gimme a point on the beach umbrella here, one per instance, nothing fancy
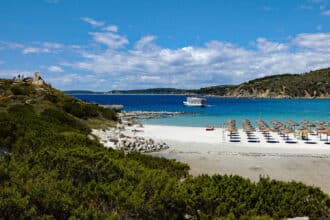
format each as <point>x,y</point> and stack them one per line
<point>326,132</point>
<point>292,124</point>
<point>231,130</point>
<point>287,131</point>
<point>266,131</point>
<point>327,124</point>
<point>319,129</point>
<point>304,122</point>
<point>318,122</point>
<point>306,131</point>
<point>310,125</point>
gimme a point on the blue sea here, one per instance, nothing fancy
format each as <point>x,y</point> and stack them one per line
<point>220,109</point>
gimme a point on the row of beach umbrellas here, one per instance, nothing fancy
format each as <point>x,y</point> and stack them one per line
<point>284,129</point>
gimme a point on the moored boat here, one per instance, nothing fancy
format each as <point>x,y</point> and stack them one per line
<point>195,102</point>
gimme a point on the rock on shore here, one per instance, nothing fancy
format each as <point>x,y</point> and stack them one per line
<point>117,138</point>
<point>132,115</point>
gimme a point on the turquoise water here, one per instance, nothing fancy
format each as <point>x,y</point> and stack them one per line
<point>220,109</point>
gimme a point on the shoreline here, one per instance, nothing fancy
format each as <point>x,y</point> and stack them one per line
<point>210,152</point>
<point>219,138</point>
<point>309,164</point>
<point>207,95</point>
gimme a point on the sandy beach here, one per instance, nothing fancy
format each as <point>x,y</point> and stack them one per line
<point>211,152</point>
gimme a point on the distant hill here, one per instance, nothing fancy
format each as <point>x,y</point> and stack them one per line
<point>152,91</point>
<point>315,84</point>
<point>221,90</point>
<point>81,92</point>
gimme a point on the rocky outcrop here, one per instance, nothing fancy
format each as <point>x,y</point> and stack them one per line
<point>267,93</point>
<point>132,115</point>
<point>117,138</point>
<point>113,107</point>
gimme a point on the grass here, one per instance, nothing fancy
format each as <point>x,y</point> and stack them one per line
<point>98,123</point>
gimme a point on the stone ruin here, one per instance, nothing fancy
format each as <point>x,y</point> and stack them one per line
<point>37,80</point>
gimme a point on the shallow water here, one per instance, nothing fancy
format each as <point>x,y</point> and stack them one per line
<point>220,109</point>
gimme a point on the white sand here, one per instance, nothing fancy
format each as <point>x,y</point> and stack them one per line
<point>211,152</point>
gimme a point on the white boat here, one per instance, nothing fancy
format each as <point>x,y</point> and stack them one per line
<point>195,102</point>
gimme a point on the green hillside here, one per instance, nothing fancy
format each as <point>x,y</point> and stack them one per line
<point>312,84</point>
<point>150,91</point>
<point>52,168</point>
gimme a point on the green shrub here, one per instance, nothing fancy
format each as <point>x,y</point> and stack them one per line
<point>50,97</point>
<point>22,89</point>
<point>108,113</point>
<point>61,118</point>
<point>81,110</point>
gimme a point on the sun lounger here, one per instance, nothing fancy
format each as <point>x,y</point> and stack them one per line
<point>235,140</point>
<point>291,142</point>
<point>310,142</point>
<point>272,141</point>
<point>233,135</point>
<point>253,140</point>
<point>252,136</point>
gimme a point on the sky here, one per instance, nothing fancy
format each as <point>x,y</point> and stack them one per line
<point>104,45</point>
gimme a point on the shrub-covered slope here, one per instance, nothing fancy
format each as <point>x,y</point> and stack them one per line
<point>51,168</point>
<point>315,84</point>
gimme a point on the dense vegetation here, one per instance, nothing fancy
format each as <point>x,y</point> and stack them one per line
<point>313,84</point>
<point>221,90</point>
<point>152,91</point>
<point>51,167</point>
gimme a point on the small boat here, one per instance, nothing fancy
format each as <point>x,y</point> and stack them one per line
<point>195,102</point>
<point>210,128</point>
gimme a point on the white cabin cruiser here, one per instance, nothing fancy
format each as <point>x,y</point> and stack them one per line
<point>195,102</point>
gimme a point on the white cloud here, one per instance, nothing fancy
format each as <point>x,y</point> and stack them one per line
<point>150,78</point>
<point>11,45</point>
<point>112,28</point>
<point>267,46</point>
<point>29,50</point>
<point>326,13</point>
<point>55,69</point>
<point>317,42</point>
<point>109,39</point>
<point>52,45</point>
<point>41,47</point>
<point>92,22</point>
<point>109,62</point>
<point>145,42</point>
<point>9,73</point>
<point>216,62</point>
